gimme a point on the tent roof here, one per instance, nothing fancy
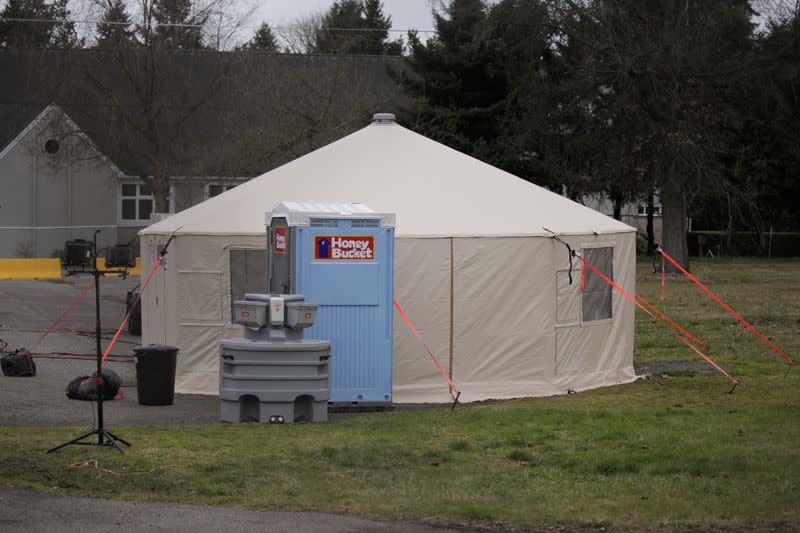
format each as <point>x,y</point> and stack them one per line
<point>435,191</point>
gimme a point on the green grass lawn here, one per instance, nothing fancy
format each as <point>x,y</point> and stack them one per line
<point>673,452</point>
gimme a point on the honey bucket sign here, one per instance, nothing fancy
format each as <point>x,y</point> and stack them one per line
<point>279,239</point>
<point>344,248</point>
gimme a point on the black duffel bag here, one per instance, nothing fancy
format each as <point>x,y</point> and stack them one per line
<point>85,387</point>
<point>18,363</point>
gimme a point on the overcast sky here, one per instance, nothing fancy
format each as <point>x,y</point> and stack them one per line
<point>406,14</point>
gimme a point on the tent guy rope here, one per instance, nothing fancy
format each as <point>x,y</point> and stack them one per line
<point>726,307</point>
<point>672,322</point>
<point>161,261</point>
<point>663,316</point>
<point>133,306</point>
<point>65,313</point>
<point>654,314</point>
<point>453,389</point>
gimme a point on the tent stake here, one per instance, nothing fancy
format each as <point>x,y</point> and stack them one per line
<point>455,401</point>
<point>788,367</point>
<point>733,388</point>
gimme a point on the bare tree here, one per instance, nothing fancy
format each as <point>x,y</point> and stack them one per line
<point>300,35</point>
<point>295,104</point>
<point>225,27</point>
<point>60,145</point>
<point>161,112</point>
<point>153,92</point>
<point>777,11</point>
<point>26,249</point>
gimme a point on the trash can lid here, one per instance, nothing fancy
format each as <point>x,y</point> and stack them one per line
<point>154,348</point>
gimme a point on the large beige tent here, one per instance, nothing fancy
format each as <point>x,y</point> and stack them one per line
<point>476,270</point>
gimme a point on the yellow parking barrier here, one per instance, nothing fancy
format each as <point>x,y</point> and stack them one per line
<point>30,269</point>
<point>47,268</point>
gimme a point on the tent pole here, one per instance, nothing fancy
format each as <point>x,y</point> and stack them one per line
<point>450,365</point>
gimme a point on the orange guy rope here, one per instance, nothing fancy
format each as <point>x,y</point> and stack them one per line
<point>643,308</point>
<point>648,304</point>
<point>133,306</point>
<point>620,289</point>
<point>93,462</point>
<point>583,277</point>
<point>728,309</point>
<point>707,358</point>
<point>442,371</point>
<point>673,324</point>
<point>65,313</point>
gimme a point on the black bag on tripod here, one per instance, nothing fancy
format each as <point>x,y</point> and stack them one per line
<point>85,387</point>
<point>19,363</point>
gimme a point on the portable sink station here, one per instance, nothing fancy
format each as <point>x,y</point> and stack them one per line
<point>340,256</point>
<point>273,374</point>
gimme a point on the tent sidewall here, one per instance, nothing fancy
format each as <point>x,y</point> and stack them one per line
<point>503,318</point>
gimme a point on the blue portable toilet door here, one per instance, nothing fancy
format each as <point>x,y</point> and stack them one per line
<point>347,271</point>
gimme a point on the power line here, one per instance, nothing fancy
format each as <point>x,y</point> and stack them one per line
<point>108,22</point>
<point>187,25</point>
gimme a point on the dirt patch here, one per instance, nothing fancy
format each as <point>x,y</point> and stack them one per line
<point>671,367</point>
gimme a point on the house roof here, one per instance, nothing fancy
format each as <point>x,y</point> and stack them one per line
<point>53,117</point>
<point>10,144</point>
<point>240,114</point>
<point>434,191</point>
<point>17,110</point>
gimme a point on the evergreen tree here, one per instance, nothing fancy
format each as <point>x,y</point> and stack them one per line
<point>459,85</point>
<point>330,37</point>
<point>771,105</point>
<point>53,27</point>
<point>176,27</point>
<point>375,19</point>
<point>17,34</point>
<point>356,27</point>
<point>523,45</point>
<point>64,35</point>
<point>264,39</point>
<point>115,28</point>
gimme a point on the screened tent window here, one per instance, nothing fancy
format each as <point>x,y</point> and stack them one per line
<point>137,202</point>
<point>596,297</point>
<point>248,274</point>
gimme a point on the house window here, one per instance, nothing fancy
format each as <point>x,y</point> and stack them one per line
<point>596,296</point>
<point>643,210</point>
<point>215,189</point>
<point>137,202</point>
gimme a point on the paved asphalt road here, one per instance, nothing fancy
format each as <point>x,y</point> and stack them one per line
<point>27,308</point>
<point>28,511</point>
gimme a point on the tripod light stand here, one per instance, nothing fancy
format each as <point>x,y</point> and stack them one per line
<point>104,437</point>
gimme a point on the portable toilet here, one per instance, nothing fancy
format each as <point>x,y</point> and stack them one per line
<point>340,256</point>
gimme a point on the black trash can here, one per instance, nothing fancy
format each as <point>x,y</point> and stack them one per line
<point>155,374</point>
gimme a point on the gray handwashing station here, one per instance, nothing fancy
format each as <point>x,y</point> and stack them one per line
<point>273,375</point>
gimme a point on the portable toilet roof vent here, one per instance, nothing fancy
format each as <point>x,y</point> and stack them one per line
<point>301,213</point>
